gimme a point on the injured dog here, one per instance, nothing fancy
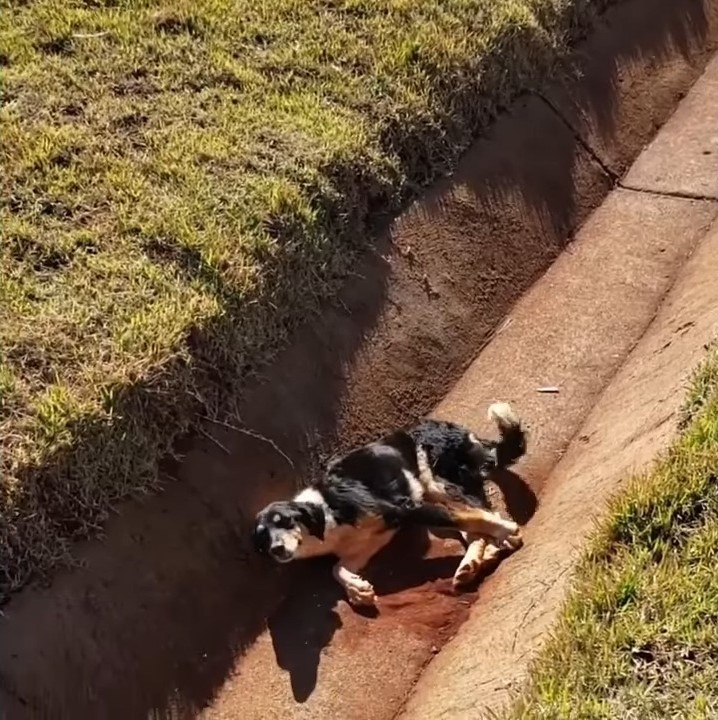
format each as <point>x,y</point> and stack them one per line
<point>431,475</point>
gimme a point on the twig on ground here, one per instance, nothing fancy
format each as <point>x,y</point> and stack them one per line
<point>209,436</point>
<point>252,434</point>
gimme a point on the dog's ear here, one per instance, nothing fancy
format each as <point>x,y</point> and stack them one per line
<point>312,517</point>
<point>260,538</point>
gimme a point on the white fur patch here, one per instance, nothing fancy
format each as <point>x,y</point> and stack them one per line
<point>422,460</point>
<point>415,487</point>
<point>312,496</point>
<point>426,476</point>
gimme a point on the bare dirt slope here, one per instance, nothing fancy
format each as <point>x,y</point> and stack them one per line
<point>619,302</point>
<point>173,615</point>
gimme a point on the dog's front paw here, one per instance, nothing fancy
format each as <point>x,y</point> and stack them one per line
<point>360,591</point>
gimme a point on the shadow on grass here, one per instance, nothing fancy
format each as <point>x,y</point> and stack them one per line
<point>161,612</point>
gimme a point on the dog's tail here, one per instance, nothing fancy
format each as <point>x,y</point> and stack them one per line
<point>512,443</point>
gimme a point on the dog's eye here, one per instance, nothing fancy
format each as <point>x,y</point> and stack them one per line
<point>277,519</point>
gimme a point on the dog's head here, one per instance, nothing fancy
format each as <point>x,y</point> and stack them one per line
<point>281,527</point>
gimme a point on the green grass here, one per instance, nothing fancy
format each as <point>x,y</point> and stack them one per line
<point>182,184</point>
<point>638,637</point>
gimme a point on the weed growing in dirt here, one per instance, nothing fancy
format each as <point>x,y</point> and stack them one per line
<point>638,637</point>
<point>182,183</point>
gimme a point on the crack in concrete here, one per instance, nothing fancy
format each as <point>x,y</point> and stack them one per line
<point>679,194</point>
<point>612,174</point>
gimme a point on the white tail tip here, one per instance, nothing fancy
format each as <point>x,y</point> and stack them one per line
<point>503,415</point>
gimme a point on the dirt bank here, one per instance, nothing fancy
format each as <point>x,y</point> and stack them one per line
<point>160,614</point>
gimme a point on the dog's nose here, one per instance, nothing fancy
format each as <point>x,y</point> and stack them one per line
<point>279,552</point>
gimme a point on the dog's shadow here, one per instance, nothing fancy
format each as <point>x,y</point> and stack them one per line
<point>520,499</point>
<point>305,622</point>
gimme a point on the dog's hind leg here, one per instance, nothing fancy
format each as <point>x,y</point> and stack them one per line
<point>484,532</point>
<point>480,553</point>
<point>471,562</point>
<point>470,520</point>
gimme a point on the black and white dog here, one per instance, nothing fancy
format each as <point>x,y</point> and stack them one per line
<point>430,475</point>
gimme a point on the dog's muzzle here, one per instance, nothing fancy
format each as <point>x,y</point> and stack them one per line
<point>280,553</point>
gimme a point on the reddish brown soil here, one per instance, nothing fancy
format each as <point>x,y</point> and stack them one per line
<point>163,611</point>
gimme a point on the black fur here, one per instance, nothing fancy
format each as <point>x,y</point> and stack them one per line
<point>312,518</point>
<point>463,464</point>
<point>371,480</point>
<point>511,447</point>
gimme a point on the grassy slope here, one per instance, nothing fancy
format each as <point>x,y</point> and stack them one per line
<point>638,637</point>
<point>182,182</point>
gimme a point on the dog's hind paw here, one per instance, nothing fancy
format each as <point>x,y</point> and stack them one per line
<point>513,542</point>
<point>470,564</point>
<point>482,555</point>
<point>466,573</point>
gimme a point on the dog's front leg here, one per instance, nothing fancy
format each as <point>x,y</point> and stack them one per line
<point>346,572</point>
<point>359,591</point>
